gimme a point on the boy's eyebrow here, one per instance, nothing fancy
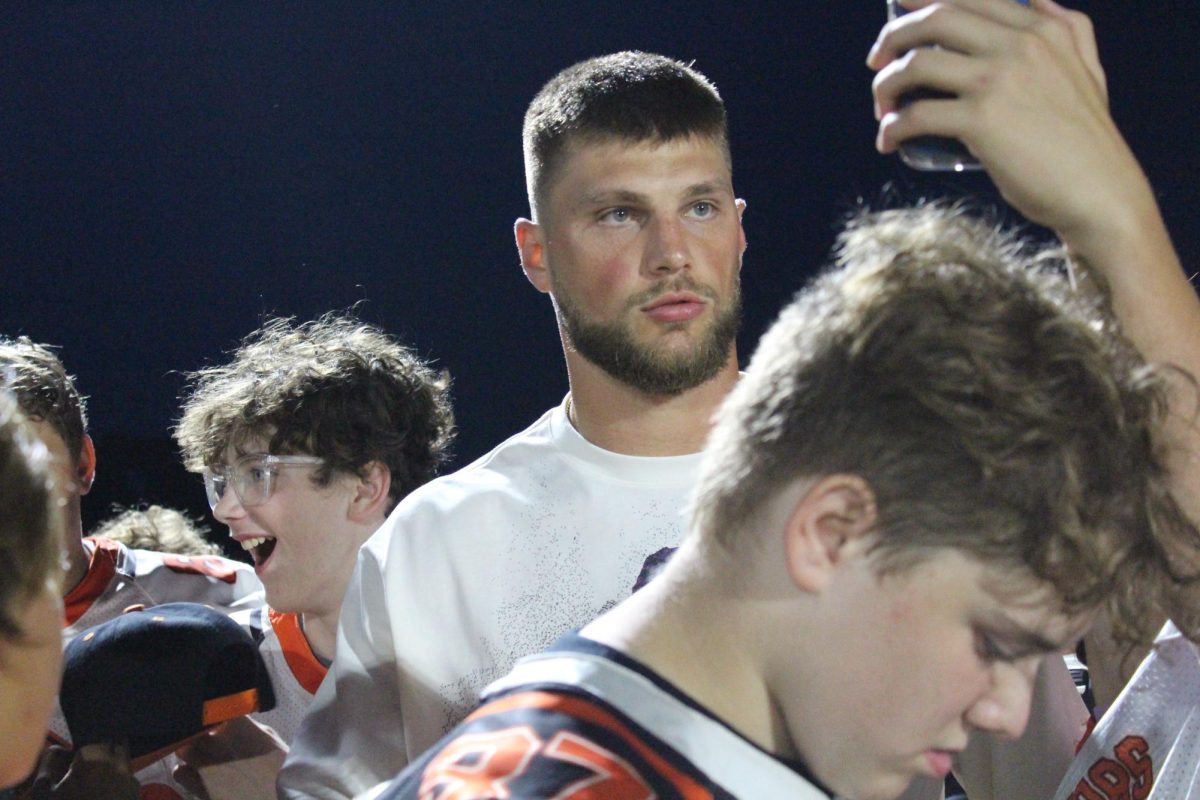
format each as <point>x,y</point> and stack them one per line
<point>1023,640</point>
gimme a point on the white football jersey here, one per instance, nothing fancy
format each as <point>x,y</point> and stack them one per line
<point>1147,745</point>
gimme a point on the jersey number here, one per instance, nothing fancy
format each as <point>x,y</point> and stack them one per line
<point>1129,777</point>
<point>480,766</point>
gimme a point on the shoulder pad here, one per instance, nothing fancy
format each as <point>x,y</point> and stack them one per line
<point>211,566</point>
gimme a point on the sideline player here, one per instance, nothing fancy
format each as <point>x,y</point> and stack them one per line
<point>104,577</point>
<point>31,614</point>
<point>1031,104</point>
<point>30,593</point>
<point>637,238</point>
<point>307,438</point>
<point>904,507</point>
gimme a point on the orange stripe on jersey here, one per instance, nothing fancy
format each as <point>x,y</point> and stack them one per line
<point>1087,733</point>
<point>225,708</point>
<point>101,569</point>
<point>309,672</point>
<point>581,709</point>
<point>610,773</point>
<point>479,765</point>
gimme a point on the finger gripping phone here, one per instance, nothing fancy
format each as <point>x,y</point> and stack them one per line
<point>933,153</point>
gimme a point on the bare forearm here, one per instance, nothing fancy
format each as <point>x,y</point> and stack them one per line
<point>1160,313</point>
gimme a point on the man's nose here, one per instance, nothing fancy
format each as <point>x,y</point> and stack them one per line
<point>667,252</point>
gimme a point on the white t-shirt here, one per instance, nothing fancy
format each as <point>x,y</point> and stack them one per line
<point>471,572</point>
<point>1147,745</point>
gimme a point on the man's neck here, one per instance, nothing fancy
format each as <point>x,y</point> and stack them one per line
<point>619,418</point>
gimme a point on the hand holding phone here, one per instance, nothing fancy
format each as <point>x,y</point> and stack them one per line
<point>933,153</point>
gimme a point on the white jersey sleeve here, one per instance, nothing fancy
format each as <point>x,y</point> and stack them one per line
<point>1147,745</point>
<point>211,580</point>
<point>119,577</point>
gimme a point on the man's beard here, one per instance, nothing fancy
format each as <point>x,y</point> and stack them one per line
<point>611,345</point>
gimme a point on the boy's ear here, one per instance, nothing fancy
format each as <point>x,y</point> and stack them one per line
<point>832,521</point>
<point>85,470</point>
<point>371,492</point>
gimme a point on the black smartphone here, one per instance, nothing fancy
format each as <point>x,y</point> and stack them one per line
<point>933,153</point>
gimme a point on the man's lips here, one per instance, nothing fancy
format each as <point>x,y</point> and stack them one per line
<point>675,307</point>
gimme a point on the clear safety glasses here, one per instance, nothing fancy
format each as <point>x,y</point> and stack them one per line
<point>252,477</point>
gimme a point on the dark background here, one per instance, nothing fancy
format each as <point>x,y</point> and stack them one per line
<point>172,172</point>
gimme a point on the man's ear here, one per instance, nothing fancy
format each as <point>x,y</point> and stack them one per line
<point>741,212</point>
<point>833,520</point>
<point>530,246</point>
<point>85,470</point>
<point>371,492</point>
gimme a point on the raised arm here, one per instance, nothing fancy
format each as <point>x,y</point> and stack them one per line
<point>1030,103</point>
<point>1032,106</point>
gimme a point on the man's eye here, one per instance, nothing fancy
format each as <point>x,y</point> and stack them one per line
<point>703,209</point>
<point>617,216</point>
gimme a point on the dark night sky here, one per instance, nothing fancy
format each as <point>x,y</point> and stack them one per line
<point>171,172</point>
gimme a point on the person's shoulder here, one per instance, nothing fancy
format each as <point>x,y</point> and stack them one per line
<point>536,743</point>
<point>204,579</point>
<point>495,478</point>
<point>252,615</point>
<point>507,459</point>
<point>208,568</point>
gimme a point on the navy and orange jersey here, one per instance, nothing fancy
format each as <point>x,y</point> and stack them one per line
<point>584,722</point>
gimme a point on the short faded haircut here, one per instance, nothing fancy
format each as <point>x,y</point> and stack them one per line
<point>160,529</point>
<point>336,388</point>
<point>30,545</point>
<point>44,390</point>
<point>992,410</point>
<point>630,96</point>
